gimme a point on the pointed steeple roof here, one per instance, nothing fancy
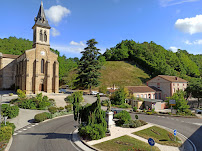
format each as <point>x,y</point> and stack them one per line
<point>41,18</point>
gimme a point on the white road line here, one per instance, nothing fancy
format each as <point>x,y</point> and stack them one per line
<point>19,131</point>
<point>37,124</point>
<point>24,129</point>
<point>15,134</point>
<point>28,127</point>
<point>33,125</point>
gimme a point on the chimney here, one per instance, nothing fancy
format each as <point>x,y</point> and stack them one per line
<point>176,78</point>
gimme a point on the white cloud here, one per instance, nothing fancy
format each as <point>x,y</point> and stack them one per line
<point>55,32</point>
<point>174,49</point>
<point>190,25</point>
<point>70,49</point>
<point>165,3</point>
<point>57,13</point>
<point>196,42</point>
<point>77,44</point>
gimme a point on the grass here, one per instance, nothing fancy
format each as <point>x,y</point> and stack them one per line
<point>160,136</point>
<point>125,143</point>
<point>122,73</point>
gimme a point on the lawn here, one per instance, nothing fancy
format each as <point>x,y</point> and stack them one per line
<point>160,136</point>
<point>125,143</point>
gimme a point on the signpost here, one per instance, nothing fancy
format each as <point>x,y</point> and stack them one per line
<point>172,103</point>
<point>151,142</point>
<point>175,133</point>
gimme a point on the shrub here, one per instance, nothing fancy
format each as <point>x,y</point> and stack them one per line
<point>28,104</point>
<point>124,117</point>
<point>21,94</point>
<point>42,117</point>
<point>52,109</point>
<point>125,105</point>
<point>69,99</point>
<point>92,132</point>
<point>136,117</point>
<point>9,124</point>
<point>149,113</point>
<point>10,111</point>
<point>5,133</point>
<point>10,94</point>
<point>68,107</point>
<point>60,109</point>
<point>104,102</point>
<point>135,109</point>
<point>52,101</point>
<point>44,102</point>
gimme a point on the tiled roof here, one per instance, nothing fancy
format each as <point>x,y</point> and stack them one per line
<point>172,78</point>
<point>10,56</point>
<point>142,89</point>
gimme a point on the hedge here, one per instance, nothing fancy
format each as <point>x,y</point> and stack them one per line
<point>42,117</point>
<point>10,111</point>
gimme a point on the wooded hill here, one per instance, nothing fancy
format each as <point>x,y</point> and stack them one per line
<point>139,61</point>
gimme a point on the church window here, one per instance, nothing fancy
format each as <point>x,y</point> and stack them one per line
<point>41,35</point>
<point>45,36</point>
<point>42,66</point>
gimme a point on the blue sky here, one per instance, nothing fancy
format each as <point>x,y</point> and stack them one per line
<point>170,23</point>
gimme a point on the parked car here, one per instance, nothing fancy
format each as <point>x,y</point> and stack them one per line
<point>94,92</point>
<point>198,111</point>
<point>116,110</point>
<point>62,91</point>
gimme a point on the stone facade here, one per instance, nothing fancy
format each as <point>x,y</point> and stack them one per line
<point>37,69</point>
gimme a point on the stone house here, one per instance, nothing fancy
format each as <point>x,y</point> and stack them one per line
<point>37,69</point>
<point>167,84</point>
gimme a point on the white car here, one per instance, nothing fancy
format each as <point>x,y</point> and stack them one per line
<point>94,92</point>
<point>198,111</point>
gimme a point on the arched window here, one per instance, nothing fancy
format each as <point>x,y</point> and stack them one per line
<point>42,66</point>
<point>45,36</point>
<point>41,35</point>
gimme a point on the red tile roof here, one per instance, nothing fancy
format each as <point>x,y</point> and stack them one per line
<point>142,89</point>
<point>172,78</point>
<point>10,56</point>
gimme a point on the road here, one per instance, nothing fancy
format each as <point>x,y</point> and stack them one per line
<point>189,127</point>
<point>54,135</point>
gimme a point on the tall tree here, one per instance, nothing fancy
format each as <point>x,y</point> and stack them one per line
<point>195,89</point>
<point>89,65</point>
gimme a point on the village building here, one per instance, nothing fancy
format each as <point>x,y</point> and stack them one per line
<point>35,70</point>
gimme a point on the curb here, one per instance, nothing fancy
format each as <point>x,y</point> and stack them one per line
<point>179,135</point>
<point>9,144</point>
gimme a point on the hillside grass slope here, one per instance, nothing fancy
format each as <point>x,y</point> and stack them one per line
<point>122,73</point>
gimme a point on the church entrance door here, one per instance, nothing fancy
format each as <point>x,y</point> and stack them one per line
<point>41,87</point>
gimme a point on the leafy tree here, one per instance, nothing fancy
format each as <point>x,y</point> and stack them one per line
<point>103,89</point>
<point>119,96</point>
<point>181,102</point>
<point>195,89</point>
<point>76,99</point>
<point>89,65</point>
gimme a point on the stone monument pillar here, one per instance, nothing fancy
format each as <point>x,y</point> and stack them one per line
<point>109,116</point>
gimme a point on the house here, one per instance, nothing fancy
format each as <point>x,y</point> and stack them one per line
<point>167,84</point>
<point>35,70</point>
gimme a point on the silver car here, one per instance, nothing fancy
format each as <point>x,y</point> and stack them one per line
<point>198,111</point>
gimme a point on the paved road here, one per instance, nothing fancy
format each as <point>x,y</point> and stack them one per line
<point>54,135</point>
<point>190,127</point>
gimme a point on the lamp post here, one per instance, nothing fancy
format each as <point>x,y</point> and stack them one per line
<point>0,110</point>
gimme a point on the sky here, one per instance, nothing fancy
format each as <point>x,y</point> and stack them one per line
<point>174,24</point>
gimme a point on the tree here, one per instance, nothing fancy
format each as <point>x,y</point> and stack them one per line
<point>119,96</point>
<point>76,99</point>
<point>89,65</point>
<point>195,89</point>
<point>181,103</point>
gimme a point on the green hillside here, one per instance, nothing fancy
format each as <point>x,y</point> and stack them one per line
<point>122,73</point>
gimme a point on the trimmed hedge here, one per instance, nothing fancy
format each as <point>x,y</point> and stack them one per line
<point>52,109</point>
<point>5,133</point>
<point>9,124</point>
<point>42,117</point>
<point>124,117</point>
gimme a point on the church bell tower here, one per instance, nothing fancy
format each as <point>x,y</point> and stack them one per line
<point>41,29</point>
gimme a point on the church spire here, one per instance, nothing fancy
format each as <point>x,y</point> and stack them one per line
<point>41,18</point>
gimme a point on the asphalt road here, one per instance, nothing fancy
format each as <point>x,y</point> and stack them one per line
<point>189,127</point>
<point>54,135</point>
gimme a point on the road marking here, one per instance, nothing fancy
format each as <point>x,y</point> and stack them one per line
<point>19,131</point>
<point>200,124</point>
<point>158,116</point>
<point>28,127</point>
<point>33,125</point>
<point>24,129</point>
<point>37,124</point>
<point>15,134</point>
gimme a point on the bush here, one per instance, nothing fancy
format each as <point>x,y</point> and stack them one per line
<point>136,117</point>
<point>52,109</point>
<point>9,124</point>
<point>134,124</point>
<point>42,117</point>
<point>60,109</point>
<point>52,101</point>
<point>69,99</point>
<point>5,133</point>
<point>27,104</point>
<point>21,94</point>
<point>135,109</point>
<point>124,117</point>
<point>10,111</point>
<point>68,107</point>
<point>10,94</point>
<point>149,113</point>
<point>125,105</point>
<point>44,102</point>
<point>104,102</point>
<point>92,132</point>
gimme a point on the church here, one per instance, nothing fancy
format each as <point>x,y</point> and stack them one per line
<point>37,69</point>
